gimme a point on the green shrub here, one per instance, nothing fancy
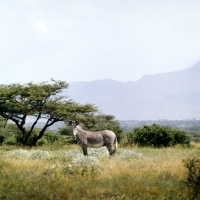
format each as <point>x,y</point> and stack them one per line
<point>193,179</point>
<point>68,140</point>
<point>156,136</point>
<point>42,141</point>
<point>10,141</point>
<point>180,137</point>
<point>51,137</point>
<point>128,139</point>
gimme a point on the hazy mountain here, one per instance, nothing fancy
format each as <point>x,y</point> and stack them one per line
<point>174,95</point>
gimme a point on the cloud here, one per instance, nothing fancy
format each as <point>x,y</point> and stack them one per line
<point>41,28</point>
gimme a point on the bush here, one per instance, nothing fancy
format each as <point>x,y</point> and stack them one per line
<point>10,141</point>
<point>193,179</point>
<point>156,136</point>
<point>49,138</point>
<point>128,139</point>
<point>66,130</point>
<point>180,137</point>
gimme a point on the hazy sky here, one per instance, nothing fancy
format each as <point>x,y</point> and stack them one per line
<point>85,40</point>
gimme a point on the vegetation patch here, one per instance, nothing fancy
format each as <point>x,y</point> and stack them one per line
<point>133,173</point>
<point>193,179</point>
<point>156,136</point>
<point>129,154</point>
<point>37,154</point>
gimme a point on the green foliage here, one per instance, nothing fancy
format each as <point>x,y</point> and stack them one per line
<point>128,139</point>
<point>194,133</point>
<point>51,137</point>
<point>10,132</point>
<point>11,141</point>
<point>66,130</point>
<point>156,136</point>
<point>181,137</point>
<point>8,129</point>
<point>193,179</point>
<point>190,126</point>
<point>41,101</point>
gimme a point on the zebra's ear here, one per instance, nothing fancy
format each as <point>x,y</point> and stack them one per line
<point>70,122</point>
<point>77,122</point>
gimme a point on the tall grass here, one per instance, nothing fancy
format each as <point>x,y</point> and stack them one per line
<point>64,173</point>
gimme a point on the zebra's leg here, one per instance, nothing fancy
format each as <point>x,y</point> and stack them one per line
<point>84,148</point>
<point>113,149</point>
<point>110,150</point>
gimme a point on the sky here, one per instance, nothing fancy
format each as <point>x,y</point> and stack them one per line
<point>86,40</point>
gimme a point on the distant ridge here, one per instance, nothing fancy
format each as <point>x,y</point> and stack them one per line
<point>173,96</point>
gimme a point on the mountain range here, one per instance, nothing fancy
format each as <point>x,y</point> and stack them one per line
<point>174,96</point>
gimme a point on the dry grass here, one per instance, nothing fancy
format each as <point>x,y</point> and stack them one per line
<point>157,174</point>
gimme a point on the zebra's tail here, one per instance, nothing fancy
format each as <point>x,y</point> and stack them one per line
<point>115,145</point>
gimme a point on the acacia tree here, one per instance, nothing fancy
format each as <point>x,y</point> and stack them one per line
<point>38,101</point>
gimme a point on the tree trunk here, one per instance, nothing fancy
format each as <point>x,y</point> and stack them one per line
<point>34,141</point>
<point>41,134</point>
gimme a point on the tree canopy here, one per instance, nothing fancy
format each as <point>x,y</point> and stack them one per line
<point>38,101</point>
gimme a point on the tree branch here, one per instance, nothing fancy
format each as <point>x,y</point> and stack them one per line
<point>33,125</point>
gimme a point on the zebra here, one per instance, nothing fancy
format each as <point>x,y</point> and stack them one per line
<point>94,139</point>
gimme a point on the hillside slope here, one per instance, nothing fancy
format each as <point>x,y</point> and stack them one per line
<point>173,95</point>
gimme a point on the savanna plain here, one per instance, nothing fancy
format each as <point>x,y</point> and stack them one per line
<point>62,172</point>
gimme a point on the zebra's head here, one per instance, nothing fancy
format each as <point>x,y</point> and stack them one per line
<point>74,125</point>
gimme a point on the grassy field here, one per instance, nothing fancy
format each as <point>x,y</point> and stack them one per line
<point>60,173</point>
